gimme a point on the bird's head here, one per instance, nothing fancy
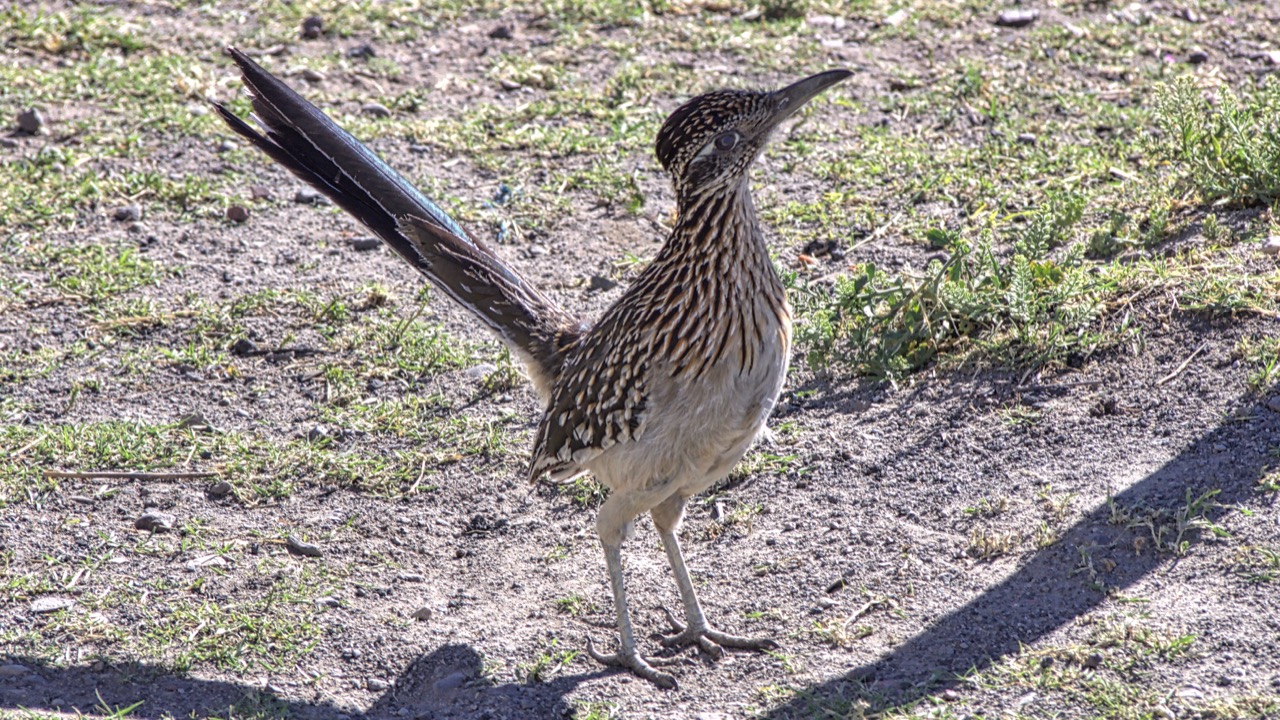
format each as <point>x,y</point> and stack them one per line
<point>708,143</point>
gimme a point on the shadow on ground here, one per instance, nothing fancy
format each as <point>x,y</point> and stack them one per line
<point>1052,589</point>
<point>434,686</point>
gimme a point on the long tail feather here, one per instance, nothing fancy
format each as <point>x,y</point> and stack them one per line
<point>303,139</point>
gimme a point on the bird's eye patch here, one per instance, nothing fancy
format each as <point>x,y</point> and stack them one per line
<point>727,141</point>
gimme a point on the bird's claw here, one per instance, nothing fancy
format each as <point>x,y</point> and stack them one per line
<point>642,667</point>
<point>711,641</point>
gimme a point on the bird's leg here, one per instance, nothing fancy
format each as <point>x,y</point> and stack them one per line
<point>627,656</point>
<point>666,518</point>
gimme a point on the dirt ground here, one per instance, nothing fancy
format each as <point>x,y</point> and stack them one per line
<point>1088,541</point>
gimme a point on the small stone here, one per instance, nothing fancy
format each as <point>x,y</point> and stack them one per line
<point>317,433</point>
<point>376,685</point>
<point>502,32</point>
<point>410,577</point>
<point>509,85</point>
<point>538,250</point>
<point>1017,18</point>
<point>1196,57</point>
<point>377,110</point>
<point>1271,246</point>
<point>452,681</point>
<point>1272,57</point>
<point>1093,662</point>
<point>362,52</point>
<point>43,605</point>
<point>13,670</point>
<point>298,547</point>
<point>81,499</point>
<point>364,244</point>
<point>260,192</point>
<point>329,602</point>
<point>307,196</point>
<point>243,347</point>
<point>897,18</point>
<point>423,613</point>
<point>155,521</point>
<point>1274,403</point>
<point>220,489</point>
<point>237,213</point>
<point>312,27</point>
<point>478,373</point>
<point>1046,663</point>
<point>313,76</point>
<point>129,213</point>
<point>193,420</point>
<point>226,146</point>
<point>600,283</point>
<point>30,121</point>
<point>950,695</point>
<point>8,143</point>
<point>1025,139</point>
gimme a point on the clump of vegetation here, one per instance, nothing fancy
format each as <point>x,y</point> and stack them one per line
<point>1024,308</point>
<point>1227,150</point>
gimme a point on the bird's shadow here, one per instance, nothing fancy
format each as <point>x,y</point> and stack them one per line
<point>1056,585</point>
<point>447,683</point>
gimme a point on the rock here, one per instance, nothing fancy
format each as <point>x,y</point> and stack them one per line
<point>362,52</point>
<point>502,32</point>
<point>600,283</point>
<point>410,577</point>
<point>8,142</point>
<point>312,27</point>
<point>129,213</point>
<point>479,372</point>
<point>1271,246</point>
<point>31,121</point>
<point>1274,403</point>
<point>237,213</point>
<point>243,347</point>
<point>509,85</point>
<point>308,196</point>
<point>298,547</point>
<point>452,681</point>
<point>1017,18</point>
<point>897,18</point>
<point>155,521</point>
<point>329,602</point>
<point>376,685</point>
<point>220,489</point>
<point>193,420</point>
<point>1196,57</point>
<point>313,76</point>
<point>538,250</point>
<point>1272,57</point>
<point>260,192</point>
<point>43,605</point>
<point>317,433</point>
<point>226,146</point>
<point>1092,662</point>
<point>364,244</point>
<point>377,110</point>
<point>13,670</point>
<point>423,613</point>
<point>1025,139</point>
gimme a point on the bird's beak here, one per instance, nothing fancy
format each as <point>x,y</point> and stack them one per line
<point>793,97</point>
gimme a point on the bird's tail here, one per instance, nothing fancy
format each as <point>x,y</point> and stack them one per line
<point>300,137</point>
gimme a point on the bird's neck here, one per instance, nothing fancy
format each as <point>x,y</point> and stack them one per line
<point>719,224</point>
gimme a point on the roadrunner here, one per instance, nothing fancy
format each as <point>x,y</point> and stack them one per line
<point>662,396</point>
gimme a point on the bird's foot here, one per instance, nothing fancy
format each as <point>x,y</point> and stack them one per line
<point>712,641</point>
<point>635,663</point>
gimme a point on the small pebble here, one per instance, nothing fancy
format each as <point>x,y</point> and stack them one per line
<point>377,110</point>
<point>376,685</point>
<point>1274,403</point>
<point>129,213</point>
<point>364,244</point>
<point>226,146</point>
<point>44,605</point>
<point>307,196</point>
<point>243,346</point>
<point>1092,662</point>
<point>452,681</point>
<point>1271,246</point>
<point>1017,18</point>
<point>237,213</point>
<point>479,372</point>
<point>362,52</point>
<point>312,27</point>
<point>155,521</point>
<point>220,489</point>
<point>13,670</point>
<point>502,32</point>
<point>600,283</point>
<point>1026,139</point>
<point>6,142</point>
<point>329,602</point>
<point>31,121</point>
<point>423,613</point>
<point>1197,57</point>
<point>313,76</point>
<point>1272,57</point>
<point>298,547</point>
<point>260,192</point>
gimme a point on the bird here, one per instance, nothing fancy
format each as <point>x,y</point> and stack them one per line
<point>662,395</point>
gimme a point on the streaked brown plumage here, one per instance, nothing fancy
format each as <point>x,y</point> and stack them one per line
<point>663,395</point>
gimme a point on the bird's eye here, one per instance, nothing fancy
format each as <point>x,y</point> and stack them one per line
<point>727,141</point>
